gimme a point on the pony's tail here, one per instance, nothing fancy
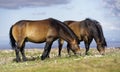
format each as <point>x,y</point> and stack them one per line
<point>12,40</point>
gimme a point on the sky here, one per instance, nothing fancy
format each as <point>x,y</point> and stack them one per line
<point>107,12</point>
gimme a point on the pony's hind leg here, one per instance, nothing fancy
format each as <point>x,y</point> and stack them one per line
<point>20,48</point>
<point>17,54</point>
<point>23,53</point>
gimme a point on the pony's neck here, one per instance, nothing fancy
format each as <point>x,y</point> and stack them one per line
<point>65,32</point>
<point>66,37</point>
<point>98,40</point>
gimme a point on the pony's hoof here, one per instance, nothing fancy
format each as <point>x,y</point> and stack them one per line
<point>59,55</point>
<point>42,57</point>
<point>18,60</point>
<point>25,59</point>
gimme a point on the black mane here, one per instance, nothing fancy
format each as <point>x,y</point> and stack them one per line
<point>66,28</point>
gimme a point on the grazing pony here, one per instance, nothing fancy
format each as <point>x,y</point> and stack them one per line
<point>40,31</point>
<point>86,31</point>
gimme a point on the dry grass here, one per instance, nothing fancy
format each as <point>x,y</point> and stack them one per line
<point>92,63</point>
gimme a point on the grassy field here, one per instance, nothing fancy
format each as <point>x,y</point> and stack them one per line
<point>92,63</point>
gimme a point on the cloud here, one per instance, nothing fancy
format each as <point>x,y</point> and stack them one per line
<point>39,13</point>
<point>16,4</point>
<point>114,6</point>
<point>114,28</point>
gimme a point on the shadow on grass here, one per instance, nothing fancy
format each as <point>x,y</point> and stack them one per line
<point>28,59</point>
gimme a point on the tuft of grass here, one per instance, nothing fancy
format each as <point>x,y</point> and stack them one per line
<point>92,63</point>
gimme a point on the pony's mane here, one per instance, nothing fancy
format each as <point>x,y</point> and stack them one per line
<point>68,22</point>
<point>95,22</point>
<point>66,28</point>
<point>89,19</point>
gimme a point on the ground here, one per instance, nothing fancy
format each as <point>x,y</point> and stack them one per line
<point>94,62</point>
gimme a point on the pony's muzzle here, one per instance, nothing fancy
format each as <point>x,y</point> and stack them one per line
<point>78,53</point>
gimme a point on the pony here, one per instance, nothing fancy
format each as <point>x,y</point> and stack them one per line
<point>39,31</point>
<point>86,30</point>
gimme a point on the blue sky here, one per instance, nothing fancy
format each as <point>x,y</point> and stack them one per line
<point>107,12</point>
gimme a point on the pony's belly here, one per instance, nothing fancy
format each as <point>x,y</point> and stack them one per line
<point>36,38</point>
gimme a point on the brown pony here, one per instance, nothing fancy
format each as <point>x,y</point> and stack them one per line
<point>40,31</point>
<point>86,31</point>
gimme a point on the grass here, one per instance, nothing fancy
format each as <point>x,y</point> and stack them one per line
<point>92,63</point>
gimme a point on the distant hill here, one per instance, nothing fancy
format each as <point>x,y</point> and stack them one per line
<point>6,45</point>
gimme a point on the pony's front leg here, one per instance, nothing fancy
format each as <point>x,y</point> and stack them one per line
<point>68,50</point>
<point>46,50</point>
<point>60,44</point>
<point>87,48</point>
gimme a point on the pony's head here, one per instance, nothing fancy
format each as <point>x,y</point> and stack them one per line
<point>74,46</point>
<point>101,47</point>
